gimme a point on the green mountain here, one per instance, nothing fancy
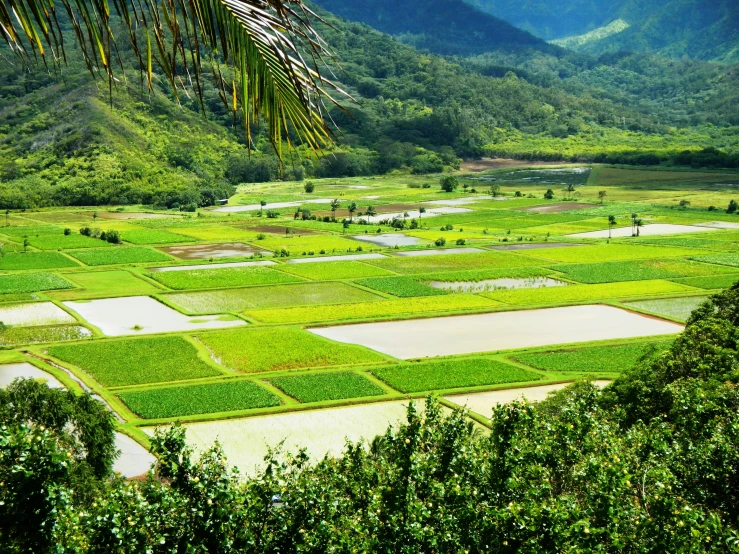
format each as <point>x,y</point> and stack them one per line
<point>698,29</point>
<point>449,27</point>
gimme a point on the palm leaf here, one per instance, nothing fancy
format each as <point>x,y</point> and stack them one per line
<point>270,48</point>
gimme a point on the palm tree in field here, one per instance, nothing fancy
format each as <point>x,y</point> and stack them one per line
<point>638,224</point>
<point>335,205</point>
<point>421,211</point>
<point>611,224</point>
<point>262,204</point>
<point>269,50</point>
<point>371,211</point>
<point>352,208</point>
<point>633,223</point>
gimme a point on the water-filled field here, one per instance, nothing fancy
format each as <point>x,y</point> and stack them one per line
<point>307,310</point>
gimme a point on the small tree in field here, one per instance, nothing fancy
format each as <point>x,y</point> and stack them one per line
<point>421,211</point>
<point>352,207</point>
<point>449,183</point>
<point>262,204</point>
<point>633,223</point>
<point>611,224</point>
<point>638,224</point>
<point>94,216</point>
<point>495,191</point>
<point>7,215</point>
<point>733,207</point>
<point>26,243</point>
<point>684,203</point>
<point>335,205</point>
<point>601,195</point>
<point>309,187</point>
<point>549,194</point>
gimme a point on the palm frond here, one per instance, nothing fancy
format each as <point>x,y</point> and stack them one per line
<point>271,48</point>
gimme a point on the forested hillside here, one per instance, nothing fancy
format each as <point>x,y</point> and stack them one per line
<point>64,140</point>
<point>698,29</point>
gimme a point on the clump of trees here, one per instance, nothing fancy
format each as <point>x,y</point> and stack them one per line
<point>649,464</point>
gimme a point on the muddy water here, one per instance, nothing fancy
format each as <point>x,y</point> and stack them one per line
<point>11,372</point>
<point>645,231</point>
<point>141,315</point>
<point>207,251</point>
<point>390,240</point>
<point>497,284</point>
<point>467,334</point>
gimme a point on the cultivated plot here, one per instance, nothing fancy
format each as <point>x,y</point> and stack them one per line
<point>498,331</point>
<point>143,315</point>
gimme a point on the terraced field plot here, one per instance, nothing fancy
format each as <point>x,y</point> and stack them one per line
<point>32,282</point>
<point>498,331</point>
<point>675,308</point>
<point>34,314</point>
<point>210,278</point>
<point>35,260</point>
<point>198,399</point>
<point>429,264</point>
<point>120,255</point>
<point>281,348</point>
<point>637,270</point>
<point>143,315</point>
<point>334,270</point>
<point>452,374</point>
<point>238,300</point>
<point>136,361</point>
<point>327,386</point>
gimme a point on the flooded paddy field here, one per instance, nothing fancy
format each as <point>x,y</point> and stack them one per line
<point>487,285</point>
<point>646,231</point>
<point>143,315</point>
<point>390,240</point>
<point>446,336</point>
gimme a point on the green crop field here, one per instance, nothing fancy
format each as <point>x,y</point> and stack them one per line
<point>731,259</point>
<point>454,262</point>
<point>610,359</point>
<point>119,255</point>
<point>198,399</point>
<point>584,293</point>
<point>326,386</point>
<point>711,282</point>
<point>13,336</point>
<point>35,260</point>
<point>676,308</point>
<point>328,271</point>
<point>610,272</point>
<point>273,349</point>
<point>237,300</point>
<point>61,241</point>
<point>32,282</point>
<point>212,278</point>
<point>451,374</point>
<point>297,246</point>
<point>475,275</point>
<point>609,253</point>
<point>404,287</point>
<point>153,236</point>
<point>405,306</point>
<point>136,361</point>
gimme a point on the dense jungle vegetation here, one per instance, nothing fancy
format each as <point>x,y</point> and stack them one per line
<point>646,465</point>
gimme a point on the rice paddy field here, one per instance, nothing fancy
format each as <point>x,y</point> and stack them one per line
<point>249,327</point>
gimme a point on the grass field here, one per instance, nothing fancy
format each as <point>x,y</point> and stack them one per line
<point>35,260</point>
<point>611,359</point>
<point>120,255</point>
<point>198,399</point>
<point>327,271</point>
<point>237,300</point>
<point>153,236</point>
<point>451,374</point>
<point>105,283</point>
<point>297,246</point>
<point>211,278</point>
<point>405,306</point>
<point>404,287</point>
<point>32,282</point>
<point>136,361</point>
<point>326,386</point>
<point>274,349</point>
